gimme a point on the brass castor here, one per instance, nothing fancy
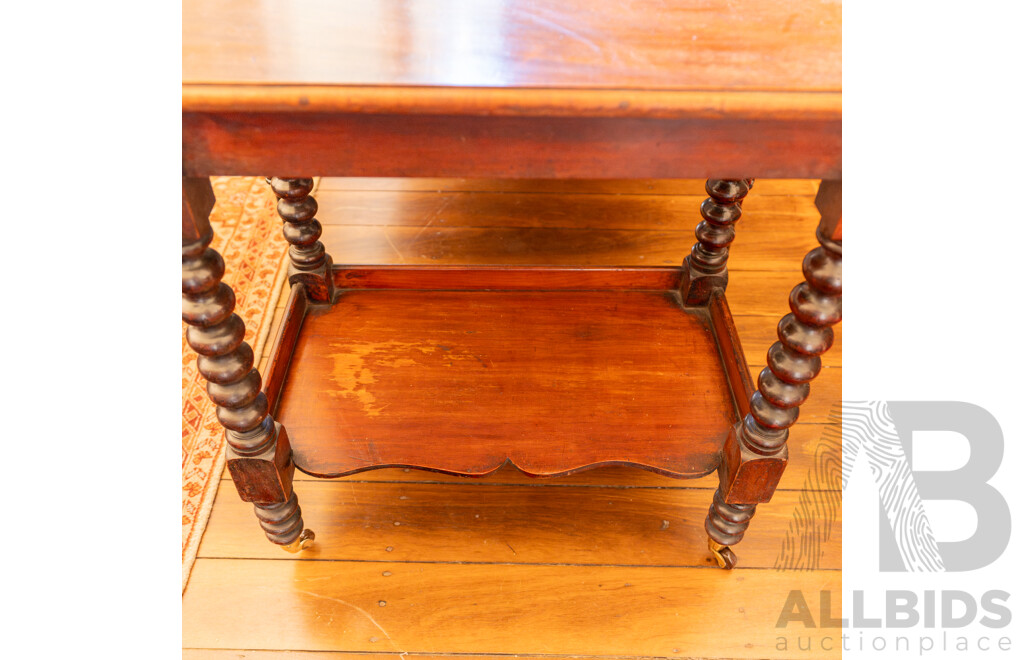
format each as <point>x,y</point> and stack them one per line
<point>724,555</point>
<point>303,541</point>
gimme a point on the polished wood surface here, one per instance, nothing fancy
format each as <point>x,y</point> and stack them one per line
<point>461,381</point>
<point>445,221</point>
<point>642,224</point>
<point>515,90</point>
<point>454,204</point>
<point>225,608</point>
<point>451,145</point>
<point>360,244</point>
<point>288,323</point>
<point>502,522</point>
<point>806,439</point>
<point>620,611</point>
<point>734,362</point>
<point>506,278</point>
<point>771,193</point>
<point>512,88</point>
<point>752,470</point>
<point>690,45</point>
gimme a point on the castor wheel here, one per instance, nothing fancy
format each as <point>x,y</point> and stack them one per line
<point>724,555</point>
<point>303,541</point>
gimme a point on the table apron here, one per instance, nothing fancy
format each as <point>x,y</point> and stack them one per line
<point>359,144</point>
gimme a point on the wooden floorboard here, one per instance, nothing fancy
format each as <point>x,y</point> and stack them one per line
<point>247,654</point>
<point>484,608</point>
<point>784,187</point>
<point>758,334</point>
<point>608,563</point>
<point>594,211</point>
<point>362,244</point>
<point>243,654</point>
<point>475,521</point>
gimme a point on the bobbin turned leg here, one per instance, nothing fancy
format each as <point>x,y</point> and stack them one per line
<point>310,263</point>
<point>704,269</point>
<point>258,452</point>
<point>730,521</point>
<point>755,454</point>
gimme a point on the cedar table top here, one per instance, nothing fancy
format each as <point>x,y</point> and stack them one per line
<point>513,88</point>
<point>783,55</point>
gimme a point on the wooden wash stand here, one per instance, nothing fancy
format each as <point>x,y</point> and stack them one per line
<point>554,369</point>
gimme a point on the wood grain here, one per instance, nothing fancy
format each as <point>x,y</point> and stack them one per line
<point>759,334</point>
<point>806,442</point>
<point>280,353</point>
<point>249,654</point>
<point>762,293</point>
<point>366,245</point>
<point>225,609</point>
<point>505,278</point>
<point>734,362</point>
<point>801,191</point>
<point>473,608</point>
<point>759,294</point>
<point>519,44</point>
<point>640,224</point>
<point>762,215</point>
<point>451,145</point>
<point>380,368</point>
<point>477,521</point>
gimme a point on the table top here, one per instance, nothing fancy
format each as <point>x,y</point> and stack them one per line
<point>513,88</point>
<point>651,56</point>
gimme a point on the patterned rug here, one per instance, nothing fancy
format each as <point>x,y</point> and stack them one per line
<point>247,233</point>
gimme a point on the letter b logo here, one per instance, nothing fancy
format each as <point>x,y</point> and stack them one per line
<point>884,432</point>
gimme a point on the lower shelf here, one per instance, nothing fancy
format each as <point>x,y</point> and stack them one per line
<point>459,377</point>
